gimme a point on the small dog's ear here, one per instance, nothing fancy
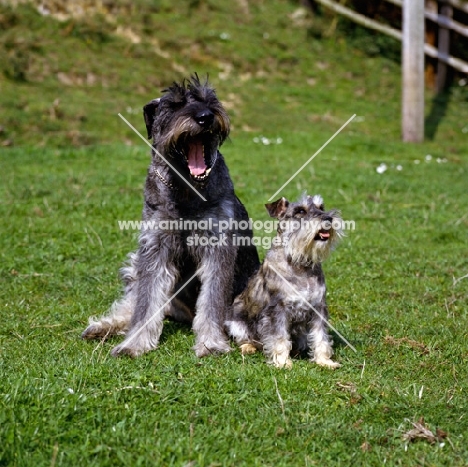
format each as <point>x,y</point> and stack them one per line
<point>317,201</point>
<point>149,111</point>
<point>278,207</point>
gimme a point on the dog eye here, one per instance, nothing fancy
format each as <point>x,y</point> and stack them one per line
<point>300,212</point>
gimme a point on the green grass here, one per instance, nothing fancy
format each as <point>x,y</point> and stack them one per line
<point>73,172</point>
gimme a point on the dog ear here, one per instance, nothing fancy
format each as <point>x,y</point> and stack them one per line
<point>317,201</point>
<point>149,111</point>
<point>278,207</point>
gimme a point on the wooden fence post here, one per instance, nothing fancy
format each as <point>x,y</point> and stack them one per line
<point>431,39</point>
<point>443,46</point>
<point>413,71</point>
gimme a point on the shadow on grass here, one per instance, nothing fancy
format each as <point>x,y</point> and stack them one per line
<point>356,340</point>
<point>172,327</point>
<point>337,342</point>
<point>437,113</point>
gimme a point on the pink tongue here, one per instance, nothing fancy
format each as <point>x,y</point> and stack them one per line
<point>324,234</point>
<point>196,161</point>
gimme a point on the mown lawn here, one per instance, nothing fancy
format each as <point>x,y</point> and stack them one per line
<point>396,283</point>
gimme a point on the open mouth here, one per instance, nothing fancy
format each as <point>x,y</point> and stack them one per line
<point>195,156</point>
<point>322,235</point>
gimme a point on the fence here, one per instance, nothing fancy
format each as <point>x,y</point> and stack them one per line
<point>443,19</point>
<point>414,47</point>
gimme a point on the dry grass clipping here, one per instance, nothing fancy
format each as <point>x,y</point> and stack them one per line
<point>420,431</point>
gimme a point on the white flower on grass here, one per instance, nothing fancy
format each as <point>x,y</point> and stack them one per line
<point>399,167</point>
<point>381,168</point>
<point>428,158</point>
<point>417,161</point>
<point>70,390</point>
<point>267,141</point>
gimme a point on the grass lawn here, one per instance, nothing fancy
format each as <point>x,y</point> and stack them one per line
<point>71,169</point>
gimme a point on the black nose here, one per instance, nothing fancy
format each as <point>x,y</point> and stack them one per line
<point>205,118</point>
<point>328,219</point>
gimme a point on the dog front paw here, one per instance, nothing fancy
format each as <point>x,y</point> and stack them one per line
<point>132,347</point>
<point>282,361</point>
<point>327,362</point>
<point>287,363</point>
<point>122,349</point>
<point>95,331</point>
<point>206,348</point>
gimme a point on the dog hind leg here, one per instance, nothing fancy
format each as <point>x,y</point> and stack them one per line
<point>117,320</point>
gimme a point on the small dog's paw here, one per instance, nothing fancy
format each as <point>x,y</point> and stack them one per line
<point>131,348</point>
<point>283,363</point>
<point>247,349</point>
<point>125,349</point>
<point>327,362</point>
<point>94,331</point>
<point>204,349</point>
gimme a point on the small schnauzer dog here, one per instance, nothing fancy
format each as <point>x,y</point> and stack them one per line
<point>187,180</point>
<point>283,306</point>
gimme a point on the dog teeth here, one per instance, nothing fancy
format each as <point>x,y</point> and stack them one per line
<point>203,176</point>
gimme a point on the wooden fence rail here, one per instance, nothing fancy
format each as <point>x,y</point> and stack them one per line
<point>429,50</point>
<point>440,19</point>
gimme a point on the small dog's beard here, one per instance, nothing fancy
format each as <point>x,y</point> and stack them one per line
<point>304,249</point>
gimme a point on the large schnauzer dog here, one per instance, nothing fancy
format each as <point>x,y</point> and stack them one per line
<point>188,265</point>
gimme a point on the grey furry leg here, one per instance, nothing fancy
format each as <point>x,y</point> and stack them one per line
<point>319,341</point>
<point>239,331</point>
<point>276,340</point>
<point>117,320</point>
<point>211,310</point>
<point>277,349</point>
<point>157,276</point>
